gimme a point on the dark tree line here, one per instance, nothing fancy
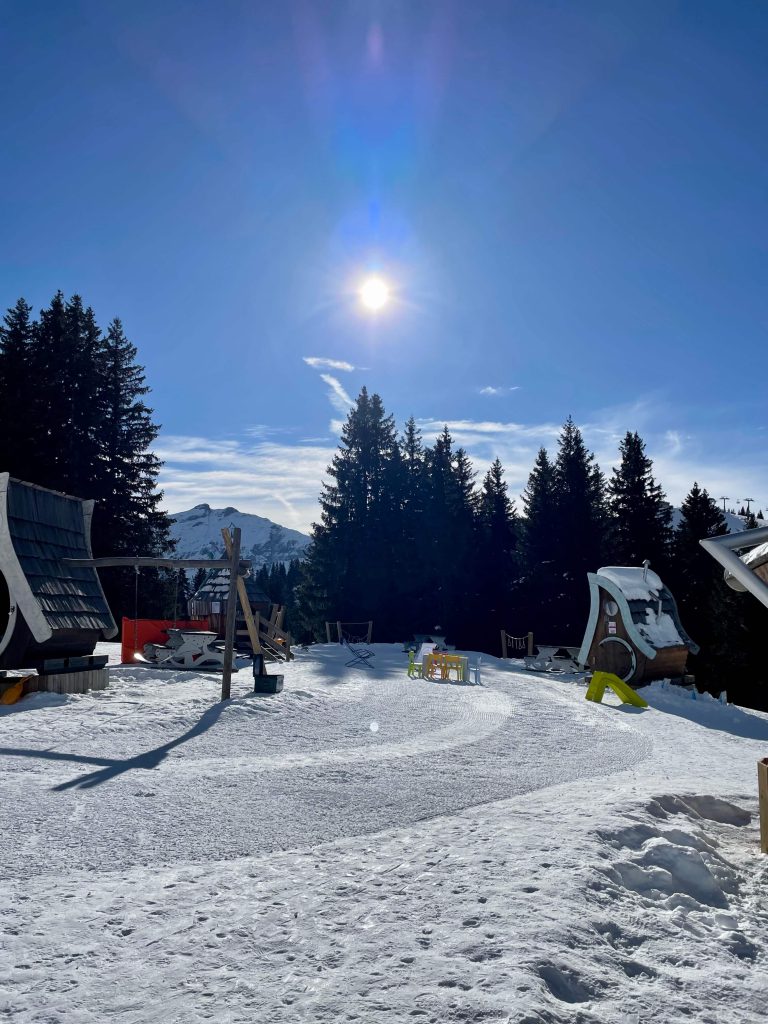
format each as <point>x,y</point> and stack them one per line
<point>407,538</point>
<point>73,418</point>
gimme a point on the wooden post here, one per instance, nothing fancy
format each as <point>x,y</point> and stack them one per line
<point>530,645</point>
<point>504,643</point>
<point>229,636</point>
<point>328,632</point>
<point>762,792</point>
<point>370,631</point>
<point>242,593</point>
<point>338,630</point>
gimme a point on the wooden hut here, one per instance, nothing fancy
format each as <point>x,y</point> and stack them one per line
<point>210,602</point>
<point>634,628</point>
<point>48,609</point>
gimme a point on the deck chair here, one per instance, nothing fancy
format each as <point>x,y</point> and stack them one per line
<point>361,654</point>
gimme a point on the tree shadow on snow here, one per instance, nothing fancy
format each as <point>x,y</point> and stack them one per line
<point>113,767</point>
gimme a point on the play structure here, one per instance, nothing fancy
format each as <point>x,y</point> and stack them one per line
<point>53,609</point>
<point>209,603</point>
<point>516,644</point>
<point>52,613</point>
<point>634,629</point>
<point>357,637</point>
<point>602,680</point>
<point>748,572</point>
<point>349,632</point>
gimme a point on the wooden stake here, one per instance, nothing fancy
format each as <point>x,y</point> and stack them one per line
<point>242,593</point>
<point>504,643</point>
<point>328,631</point>
<point>229,636</point>
<point>530,645</point>
<point>762,791</point>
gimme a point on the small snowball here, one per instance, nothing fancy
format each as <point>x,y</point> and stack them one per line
<point>374,726</point>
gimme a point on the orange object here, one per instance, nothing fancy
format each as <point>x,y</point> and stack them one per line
<point>13,693</point>
<point>138,632</point>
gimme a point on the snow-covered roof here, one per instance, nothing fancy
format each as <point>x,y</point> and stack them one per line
<point>756,556</point>
<point>635,583</point>
<point>659,629</point>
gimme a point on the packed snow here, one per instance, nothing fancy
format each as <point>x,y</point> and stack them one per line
<point>366,847</point>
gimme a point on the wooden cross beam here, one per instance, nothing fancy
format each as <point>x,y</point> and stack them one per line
<point>244,564</point>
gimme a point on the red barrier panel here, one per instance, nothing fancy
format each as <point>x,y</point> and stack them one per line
<point>137,632</point>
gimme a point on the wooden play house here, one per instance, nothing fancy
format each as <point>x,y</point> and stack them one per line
<point>634,629</point>
<point>210,603</point>
<point>49,610</point>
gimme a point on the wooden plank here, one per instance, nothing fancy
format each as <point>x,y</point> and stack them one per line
<point>229,636</point>
<point>242,593</point>
<point>157,563</point>
<point>762,790</point>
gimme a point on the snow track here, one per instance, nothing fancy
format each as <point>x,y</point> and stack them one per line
<point>155,771</point>
<point>506,853</point>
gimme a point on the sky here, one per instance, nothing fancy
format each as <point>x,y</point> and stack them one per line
<point>568,201</point>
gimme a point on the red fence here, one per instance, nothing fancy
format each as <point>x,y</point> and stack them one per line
<point>137,632</point>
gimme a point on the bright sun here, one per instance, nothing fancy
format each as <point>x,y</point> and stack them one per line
<point>374,293</point>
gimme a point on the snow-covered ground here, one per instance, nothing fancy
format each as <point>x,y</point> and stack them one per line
<point>365,847</point>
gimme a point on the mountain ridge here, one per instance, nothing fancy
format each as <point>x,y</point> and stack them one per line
<point>197,533</point>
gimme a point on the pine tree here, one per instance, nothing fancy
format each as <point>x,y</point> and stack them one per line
<point>539,528</point>
<point>750,521</point>
<point>709,610</point>
<point>16,336</point>
<point>198,579</point>
<point>497,562</point>
<point>412,597</point>
<point>127,519</point>
<point>641,518</point>
<point>760,514</point>
<point>451,543</point>
<point>351,568</point>
<point>579,542</point>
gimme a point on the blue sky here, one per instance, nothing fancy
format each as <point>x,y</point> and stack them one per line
<point>568,199</point>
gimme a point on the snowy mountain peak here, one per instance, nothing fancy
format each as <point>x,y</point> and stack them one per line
<point>198,535</point>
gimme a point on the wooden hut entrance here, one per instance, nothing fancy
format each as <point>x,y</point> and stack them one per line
<point>618,657</point>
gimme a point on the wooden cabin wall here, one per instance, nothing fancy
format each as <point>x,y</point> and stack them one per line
<point>669,661</point>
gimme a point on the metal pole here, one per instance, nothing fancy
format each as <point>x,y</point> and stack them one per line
<point>229,636</point>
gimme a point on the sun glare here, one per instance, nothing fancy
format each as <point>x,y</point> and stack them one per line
<point>374,294</point>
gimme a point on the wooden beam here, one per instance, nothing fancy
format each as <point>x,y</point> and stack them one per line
<point>762,792</point>
<point>242,593</point>
<point>229,636</point>
<point>158,563</point>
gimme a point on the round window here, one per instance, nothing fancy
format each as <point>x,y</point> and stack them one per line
<point>611,608</point>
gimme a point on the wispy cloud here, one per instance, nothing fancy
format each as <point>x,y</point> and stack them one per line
<point>320,362</point>
<point>497,392</point>
<point>279,481</point>
<point>337,396</point>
